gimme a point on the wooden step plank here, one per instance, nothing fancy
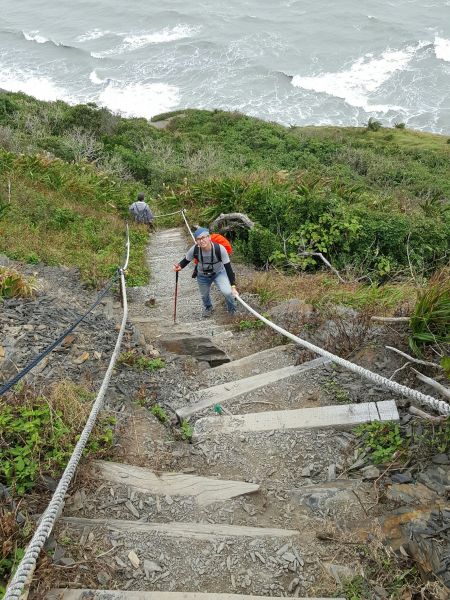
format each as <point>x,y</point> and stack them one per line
<point>60,594</point>
<point>197,531</point>
<point>228,391</point>
<point>244,366</point>
<point>342,415</point>
<point>204,489</point>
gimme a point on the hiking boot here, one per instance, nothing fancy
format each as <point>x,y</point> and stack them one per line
<point>207,312</point>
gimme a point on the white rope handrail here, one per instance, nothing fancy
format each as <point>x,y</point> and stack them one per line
<point>27,565</point>
<point>187,224</point>
<point>168,214</point>
<point>438,405</point>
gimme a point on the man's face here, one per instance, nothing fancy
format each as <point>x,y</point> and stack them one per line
<point>203,240</point>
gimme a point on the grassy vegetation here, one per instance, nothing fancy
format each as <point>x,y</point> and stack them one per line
<point>132,358</point>
<point>38,433</point>
<point>60,213</point>
<point>387,442</point>
<point>372,199</point>
<point>321,289</point>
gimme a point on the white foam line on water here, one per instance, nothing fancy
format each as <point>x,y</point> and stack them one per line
<point>365,76</point>
<point>141,40</point>
<point>92,34</point>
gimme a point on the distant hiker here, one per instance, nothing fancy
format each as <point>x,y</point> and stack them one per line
<point>141,211</point>
<point>213,267</point>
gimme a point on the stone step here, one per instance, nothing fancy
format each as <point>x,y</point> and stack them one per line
<point>67,594</point>
<point>200,347</point>
<point>259,362</point>
<point>189,530</point>
<point>205,490</point>
<point>222,393</point>
<point>338,416</point>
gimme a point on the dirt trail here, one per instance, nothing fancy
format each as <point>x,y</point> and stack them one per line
<point>136,535</point>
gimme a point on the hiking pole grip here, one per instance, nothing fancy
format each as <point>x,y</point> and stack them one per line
<point>175,297</point>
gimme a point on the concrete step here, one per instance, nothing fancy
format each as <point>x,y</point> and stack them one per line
<point>225,392</point>
<point>65,594</point>
<point>339,416</point>
<point>205,490</point>
<point>189,530</point>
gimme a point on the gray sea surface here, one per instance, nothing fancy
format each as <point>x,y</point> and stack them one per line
<point>296,62</point>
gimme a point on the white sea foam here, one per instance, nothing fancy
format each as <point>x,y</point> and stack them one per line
<point>94,78</point>
<point>92,34</point>
<point>33,36</point>
<point>135,41</point>
<point>364,77</point>
<point>140,100</point>
<point>42,88</point>
<point>442,48</point>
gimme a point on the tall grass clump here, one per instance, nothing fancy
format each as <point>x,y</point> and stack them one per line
<point>430,320</point>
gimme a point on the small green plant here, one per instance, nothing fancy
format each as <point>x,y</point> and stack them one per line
<point>13,284</point>
<point>399,125</point>
<point>150,364</point>
<point>186,430</point>
<point>142,363</point>
<point>340,395</point>
<point>246,324</point>
<point>159,413</point>
<point>383,439</point>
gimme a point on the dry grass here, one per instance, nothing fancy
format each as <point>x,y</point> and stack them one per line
<point>379,572</point>
<point>322,289</point>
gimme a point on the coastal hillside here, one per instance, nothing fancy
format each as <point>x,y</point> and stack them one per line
<point>373,200</point>
<point>347,249</point>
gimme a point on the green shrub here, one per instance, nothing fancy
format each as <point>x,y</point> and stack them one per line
<point>399,125</point>
<point>373,125</point>
<point>430,320</point>
<point>261,246</point>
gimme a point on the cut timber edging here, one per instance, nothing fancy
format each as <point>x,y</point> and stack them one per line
<point>341,415</point>
<point>252,359</point>
<point>191,531</point>
<point>205,490</point>
<point>227,391</point>
<point>143,595</point>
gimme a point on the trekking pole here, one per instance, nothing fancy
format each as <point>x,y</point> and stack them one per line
<point>175,298</point>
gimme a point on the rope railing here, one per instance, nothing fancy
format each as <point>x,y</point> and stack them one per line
<point>27,565</point>
<point>424,399</point>
<point>168,214</point>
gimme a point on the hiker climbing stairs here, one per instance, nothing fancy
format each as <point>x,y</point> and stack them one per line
<point>220,518</point>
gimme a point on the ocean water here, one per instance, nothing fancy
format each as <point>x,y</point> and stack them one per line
<point>296,62</point>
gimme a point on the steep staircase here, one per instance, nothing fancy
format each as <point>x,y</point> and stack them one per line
<point>227,524</point>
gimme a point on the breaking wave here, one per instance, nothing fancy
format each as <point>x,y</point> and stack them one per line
<point>365,76</point>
